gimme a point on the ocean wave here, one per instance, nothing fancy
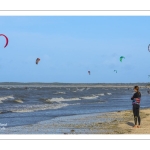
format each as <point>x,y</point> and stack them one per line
<point>89,97</point>
<point>61,99</point>
<point>32,108</point>
<point>6,98</point>
<point>80,89</point>
<point>75,104</point>
<point>18,101</point>
<point>109,93</point>
<point>74,99</point>
<point>55,99</point>
<point>102,94</point>
<point>48,100</point>
<point>60,93</point>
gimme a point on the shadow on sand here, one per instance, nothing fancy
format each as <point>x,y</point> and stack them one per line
<point>130,124</point>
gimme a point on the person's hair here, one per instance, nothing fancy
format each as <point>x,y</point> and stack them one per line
<point>137,88</point>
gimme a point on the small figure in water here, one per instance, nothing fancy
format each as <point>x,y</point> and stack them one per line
<point>136,98</point>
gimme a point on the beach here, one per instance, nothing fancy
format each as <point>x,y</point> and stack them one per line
<point>71,109</point>
<point>120,122</point>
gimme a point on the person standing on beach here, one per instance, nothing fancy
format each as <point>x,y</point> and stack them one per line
<point>136,98</point>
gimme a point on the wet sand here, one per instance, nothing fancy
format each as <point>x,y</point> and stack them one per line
<point>120,122</point>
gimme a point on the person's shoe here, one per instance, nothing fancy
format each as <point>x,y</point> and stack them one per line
<point>138,126</point>
<point>135,126</point>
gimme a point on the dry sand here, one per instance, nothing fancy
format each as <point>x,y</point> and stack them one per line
<point>123,123</point>
<point>126,125</point>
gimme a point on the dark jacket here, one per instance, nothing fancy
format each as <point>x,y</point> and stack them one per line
<point>136,98</point>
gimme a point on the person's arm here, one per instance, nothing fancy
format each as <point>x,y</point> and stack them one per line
<point>136,95</point>
<point>132,98</point>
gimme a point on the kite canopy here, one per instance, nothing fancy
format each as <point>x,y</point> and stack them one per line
<point>149,47</point>
<point>6,39</point>
<point>89,72</point>
<point>37,60</point>
<point>122,58</point>
<point>115,71</point>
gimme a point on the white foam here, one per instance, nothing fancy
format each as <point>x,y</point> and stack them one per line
<point>109,93</point>
<point>56,99</point>
<point>62,99</point>
<point>75,104</point>
<point>102,94</point>
<point>89,97</point>
<point>80,89</point>
<point>60,93</point>
<point>74,99</point>
<point>23,110</point>
<point>48,100</point>
<point>33,108</point>
<point>19,101</point>
<point>6,98</point>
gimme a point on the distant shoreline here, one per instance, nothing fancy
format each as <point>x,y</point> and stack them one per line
<point>56,84</point>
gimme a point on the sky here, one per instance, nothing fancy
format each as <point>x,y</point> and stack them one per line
<point>70,46</point>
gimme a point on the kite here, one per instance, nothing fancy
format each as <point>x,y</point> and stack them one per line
<point>6,39</point>
<point>122,58</point>
<point>37,60</point>
<point>89,72</point>
<point>149,47</point>
<point>115,71</point>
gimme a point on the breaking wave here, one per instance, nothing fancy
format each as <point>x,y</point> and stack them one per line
<point>6,98</point>
<point>32,108</point>
<point>89,97</point>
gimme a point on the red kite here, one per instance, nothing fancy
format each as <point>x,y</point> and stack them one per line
<point>6,39</point>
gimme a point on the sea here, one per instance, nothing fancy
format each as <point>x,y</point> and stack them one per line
<point>30,103</point>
